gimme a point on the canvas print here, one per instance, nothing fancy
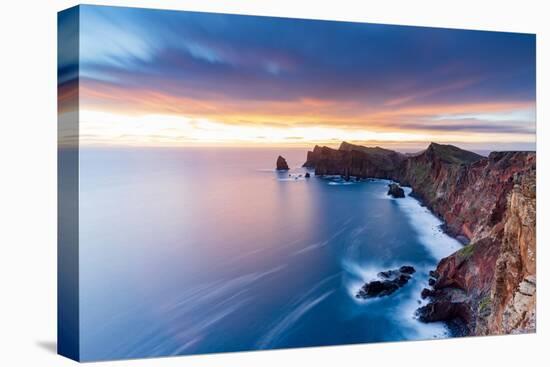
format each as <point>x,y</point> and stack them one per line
<point>240,183</point>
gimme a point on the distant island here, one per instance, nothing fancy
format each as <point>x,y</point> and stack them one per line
<point>488,203</point>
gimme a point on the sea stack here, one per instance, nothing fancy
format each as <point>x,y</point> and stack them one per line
<point>396,191</point>
<point>281,164</point>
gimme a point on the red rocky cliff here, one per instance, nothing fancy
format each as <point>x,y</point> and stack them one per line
<point>489,286</point>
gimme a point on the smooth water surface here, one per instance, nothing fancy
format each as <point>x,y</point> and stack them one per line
<point>202,250</point>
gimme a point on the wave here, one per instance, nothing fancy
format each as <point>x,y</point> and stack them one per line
<point>406,315</point>
<point>337,183</point>
<point>317,245</point>
<point>290,319</point>
<point>292,179</point>
<point>311,247</point>
<point>404,303</point>
<point>428,227</point>
<point>298,309</point>
<point>178,333</point>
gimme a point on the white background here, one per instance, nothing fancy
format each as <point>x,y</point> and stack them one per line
<point>28,182</point>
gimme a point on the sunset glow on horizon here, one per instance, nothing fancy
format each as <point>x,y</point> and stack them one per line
<point>164,78</point>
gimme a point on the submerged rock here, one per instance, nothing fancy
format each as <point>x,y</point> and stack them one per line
<point>281,164</point>
<point>391,281</point>
<point>396,191</point>
<point>307,175</point>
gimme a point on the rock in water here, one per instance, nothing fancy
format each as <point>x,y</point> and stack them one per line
<point>388,274</point>
<point>307,175</point>
<point>378,288</point>
<point>391,281</point>
<point>396,191</point>
<point>444,311</point>
<point>427,293</point>
<point>407,269</point>
<point>281,164</point>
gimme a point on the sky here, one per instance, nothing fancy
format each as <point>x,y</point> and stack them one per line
<point>171,78</point>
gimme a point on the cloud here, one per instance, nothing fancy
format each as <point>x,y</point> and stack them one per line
<point>472,125</point>
<point>286,59</point>
<point>276,71</point>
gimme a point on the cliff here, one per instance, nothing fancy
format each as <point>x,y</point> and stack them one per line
<point>355,160</point>
<point>489,286</point>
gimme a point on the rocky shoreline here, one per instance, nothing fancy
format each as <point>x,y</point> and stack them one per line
<point>489,286</point>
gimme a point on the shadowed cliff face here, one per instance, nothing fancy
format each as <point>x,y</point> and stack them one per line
<point>489,285</point>
<point>354,160</point>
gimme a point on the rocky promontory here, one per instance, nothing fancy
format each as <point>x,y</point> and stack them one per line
<point>489,286</point>
<point>355,160</point>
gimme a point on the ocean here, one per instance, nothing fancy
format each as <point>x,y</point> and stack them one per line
<point>207,250</point>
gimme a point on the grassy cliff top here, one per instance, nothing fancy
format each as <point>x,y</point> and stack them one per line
<point>452,154</point>
<point>373,150</point>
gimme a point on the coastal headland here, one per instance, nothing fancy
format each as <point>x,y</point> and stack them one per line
<point>489,286</point>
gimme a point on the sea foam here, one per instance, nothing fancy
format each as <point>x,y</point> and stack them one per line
<point>429,233</point>
<point>428,229</point>
<point>427,226</point>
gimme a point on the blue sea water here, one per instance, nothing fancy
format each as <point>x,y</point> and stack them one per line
<point>204,250</point>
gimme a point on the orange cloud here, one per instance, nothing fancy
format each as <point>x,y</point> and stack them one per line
<point>303,112</point>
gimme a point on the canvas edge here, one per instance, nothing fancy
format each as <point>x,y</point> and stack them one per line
<point>68,308</point>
